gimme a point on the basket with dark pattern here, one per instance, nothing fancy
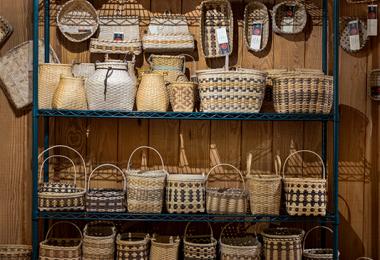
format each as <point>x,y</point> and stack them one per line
<point>256,12</point>
<point>164,247</point>
<point>99,241</point>
<point>5,29</point>
<point>360,2</point>
<point>199,247</point>
<point>345,34</point>
<point>280,13</point>
<point>132,246</point>
<point>15,252</point>
<point>317,253</point>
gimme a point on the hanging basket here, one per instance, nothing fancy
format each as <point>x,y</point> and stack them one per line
<point>99,241</point>
<point>216,14</point>
<point>289,17</point>
<point>202,247</point>
<point>256,13</point>
<point>6,29</point>
<point>106,200</point>
<point>132,246</point>
<point>374,81</point>
<point>15,252</point>
<point>164,247</point>
<point>345,34</point>
<point>317,253</point>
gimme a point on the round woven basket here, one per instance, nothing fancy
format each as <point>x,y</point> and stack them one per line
<point>281,21</point>
<point>256,13</point>
<point>70,94</point>
<point>15,252</point>
<point>99,241</point>
<point>317,253</point>
<point>131,246</point>
<point>202,247</point>
<point>164,247</point>
<point>345,34</point>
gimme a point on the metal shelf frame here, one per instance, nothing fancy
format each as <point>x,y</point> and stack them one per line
<point>331,219</point>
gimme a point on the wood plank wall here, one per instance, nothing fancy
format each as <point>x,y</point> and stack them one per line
<point>112,140</point>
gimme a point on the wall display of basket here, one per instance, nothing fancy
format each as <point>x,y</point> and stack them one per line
<point>256,23</point>
<point>171,66</point>
<point>132,246</point>
<point>6,30</point>
<point>70,94</point>
<point>317,253</point>
<point>152,94</point>
<point>164,247</point>
<point>61,196</point>
<point>202,247</point>
<point>84,70</point>
<point>305,196</point>
<point>106,200</point>
<point>289,17</point>
<point>216,14</point>
<point>345,32</point>
<point>61,248</point>
<point>374,82</point>
<point>99,241</point>
<point>77,20</point>
<point>15,252</point>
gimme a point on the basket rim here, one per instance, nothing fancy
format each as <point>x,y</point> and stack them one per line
<point>300,234</point>
<point>304,180</point>
<point>187,177</point>
<point>234,72</point>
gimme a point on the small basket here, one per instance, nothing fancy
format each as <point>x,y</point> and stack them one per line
<point>70,94</point>
<point>182,96</point>
<point>15,252</point>
<point>345,34</point>
<point>99,241</point>
<point>256,13</point>
<point>132,246</point>
<point>283,243</point>
<point>216,14</point>
<point>305,196</point>
<point>171,66</point>
<point>77,20</point>
<point>6,30</point>
<point>61,248</point>
<point>285,25</point>
<point>226,200</point>
<point>374,82</point>
<point>199,247</point>
<point>164,247</point>
<point>106,200</point>
<point>84,70</point>
<point>317,253</point>
<point>145,193</point>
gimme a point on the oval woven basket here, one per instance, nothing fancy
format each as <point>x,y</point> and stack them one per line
<point>256,13</point>
<point>99,241</point>
<point>15,252</point>
<point>317,253</point>
<point>202,247</point>
<point>282,24</point>
<point>6,30</point>
<point>132,246</point>
<point>345,34</point>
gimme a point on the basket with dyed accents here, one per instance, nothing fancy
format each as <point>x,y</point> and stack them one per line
<point>99,241</point>
<point>132,246</point>
<point>164,247</point>
<point>317,253</point>
<point>202,247</point>
<point>256,15</point>
<point>289,17</point>
<point>345,34</point>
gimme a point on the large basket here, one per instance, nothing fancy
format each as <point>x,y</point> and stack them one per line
<point>216,14</point>
<point>317,253</point>
<point>106,200</point>
<point>345,34</point>
<point>61,248</point>
<point>281,20</point>
<point>164,248</point>
<point>132,246</point>
<point>305,196</point>
<point>59,196</point>
<point>145,189</point>
<point>15,252</point>
<point>256,13</point>
<point>226,200</point>
<point>374,82</point>
<point>77,20</point>
<point>283,243</point>
<point>6,29</point>
<point>99,241</point>
<point>152,94</point>
<point>70,94</point>
<point>297,92</point>
<point>231,91</point>
<point>171,66</point>
<point>199,247</point>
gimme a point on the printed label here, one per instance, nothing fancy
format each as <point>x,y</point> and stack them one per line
<point>288,20</point>
<point>353,27</point>
<point>118,36</point>
<point>257,32</point>
<point>222,38</point>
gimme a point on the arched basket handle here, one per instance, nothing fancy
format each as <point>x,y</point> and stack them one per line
<point>304,151</point>
<point>228,165</point>
<point>314,228</point>
<point>64,222</point>
<point>57,156</point>
<point>187,226</point>
<point>145,147</point>
<point>109,166</point>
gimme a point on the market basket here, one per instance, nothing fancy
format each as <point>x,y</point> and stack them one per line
<point>317,253</point>
<point>6,29</point>
<point>305,196</point>
<point>172,67</point>
<point>345,34</point>
<point>199,247</point>
<point>289,17</point>
<point>145,189</point>
<point>256,22</point>
<point>61,248</point>
<point>99,241</point>
<point>15,252</point>
<point>164,247</point>
<point>106,200</point>
<point>132,246</point>
<point>360,2</point>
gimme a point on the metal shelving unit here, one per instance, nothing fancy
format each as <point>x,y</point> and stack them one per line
<point>332,218</point>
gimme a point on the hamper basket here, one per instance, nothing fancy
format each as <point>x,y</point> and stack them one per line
<point>132,246</point>
<point>15,252</point>
<point>5,29</point>
<point>289,17</point>
<point>345,34</point>
<point>305,196</point>
<point>317,253</point>
<point>199,247</point>
<point>374,82</point>
<point>256,13</point>
<point>164,247</point>
<point>145,192</point>
<point>99,241</point>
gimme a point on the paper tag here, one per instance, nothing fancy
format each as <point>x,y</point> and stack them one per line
<point>118,36</point>
<point>257,32</point>
<point>288,20</point>
<point>372,20</point>
<point>222,38</point>
<point>353,27</point>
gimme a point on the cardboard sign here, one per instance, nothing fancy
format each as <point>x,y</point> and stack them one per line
<point>222,38</point>
<point>372,20</point>
<point>118,36</point>
<point>257,32</point>
<point>288,20</point>
<point>354,35</point>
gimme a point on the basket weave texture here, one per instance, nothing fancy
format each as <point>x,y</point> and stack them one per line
<point>15,252</point>
<point>317,253</point>
<point>164,248</point>
<point>199,247</point>
<point>6,30</point>
<point>132,246</point>
<point>99,241</point>
<point>152,94</point>
<point>256,12</point>
<point>70,94</point>
<point>345,34</point>
<point>280,17</point>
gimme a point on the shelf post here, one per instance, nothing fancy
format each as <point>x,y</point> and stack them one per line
<point>324,35</point>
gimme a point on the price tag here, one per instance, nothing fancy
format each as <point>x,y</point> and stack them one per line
<point>257,32</point>
<point>372,20</point>
<point>222,38</point>
<point>288,20</point>
<point>118,36</point>
<point>353,27</point>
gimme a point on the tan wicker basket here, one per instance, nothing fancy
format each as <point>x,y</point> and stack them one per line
<point>345,34</point>
<point>70,94</point>
<point>317,253</point>
<point>15,252</point>
<point>99,241</point>
<point>152,94</point>
<point>374,82</point>
<point>132,246</point>
<point>6,30</point>
<point>256,13</point>
<point>202,247</point>
<point>164,247</point>
<point>297,21</point>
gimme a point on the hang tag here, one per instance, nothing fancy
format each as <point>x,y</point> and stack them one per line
<point>257,32</point>
<point>372,20</point>
<point>222,38</point>
<point>153,29</point>
<point>118,36</point>
<point>288,20</point>
<point>353,27</point>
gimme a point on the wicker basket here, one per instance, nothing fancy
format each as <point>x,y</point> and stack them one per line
<point>216,14</point>
<point>5,29</point>
<point>305,196</point>
<point>168,33</point>
<point>15,252</point>
<point>182,96</point>
<point>199,247</point>
<point>145,192</point>
<point>106,200</point>
<point>226,200</point>
<point>99,241</point>
<point>77,20</point>
<point>84,70</point>
<point>59,196</point>
<point>345,34</point>
<point>303,93</point>
<point>164,248</point>
<point>374,82</point>
<point>16,72</point>
<point>256,13</point>
<point>297,22</point>
<point>61,248</point>
<point>70,94</point>
<point>152,94</point>
<point>231,91</point>
<point>317,253</point>
<point>171,66</point>
<point>132,246</point>
<point>283,243</point>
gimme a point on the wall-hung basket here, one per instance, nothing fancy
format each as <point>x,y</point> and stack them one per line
<point>256,13</point>
<point>305,196</point>
<point>164,247</point>
<point>200,247</point>
<point>77,20</point>
<point>5,29</point>
<point>317,253</point>
<point>374,82</point>
<point>345,34</point>
<point>281,21</point>
<point>215,14</point>
<point>15,252</point>
<point>99,241</point>
<point>132,246</point>
<point>171,66</point>
<point>106,200</point>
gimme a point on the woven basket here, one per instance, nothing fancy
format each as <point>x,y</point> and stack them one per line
<point>182,96</point>
<point>305,196</point>
<point>317,253</point>
<point>99,241</point>
<point>303,93</point>
<point>145,192</point>
<point>15,252</point>
<point>280,14</point>
<point>171,66</point>
<point>216,14</point>
<point>152,94</point>
<point>16,68</point>
<point>164,248</point>
<point>61,248</point>
<point>60,196</point>
<point>256,13</point>
<point>106,200</point>
<point>132,246</point>
<point>70,94</point>
<point>374,82</point>
<point>84,70</point>
<point>199,247</point>
<point>345,34</point>
<point>231,91</point>
<point>226,200</point>
<point>5,29</point>
<point>168,33</point>
<point>77,20</point>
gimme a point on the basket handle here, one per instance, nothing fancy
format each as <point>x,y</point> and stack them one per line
<point>63,222</point>
<point>222,232</point>
<point>229,165</point>
<point>304,151</point>
<point>145,147</point>
<point>73,150</point>
<point>193,75</point>
<point>99,222</point>
<point>314,228</point>
<point>188,224</point>
<point>111,166</point>
<point>55,156</point>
